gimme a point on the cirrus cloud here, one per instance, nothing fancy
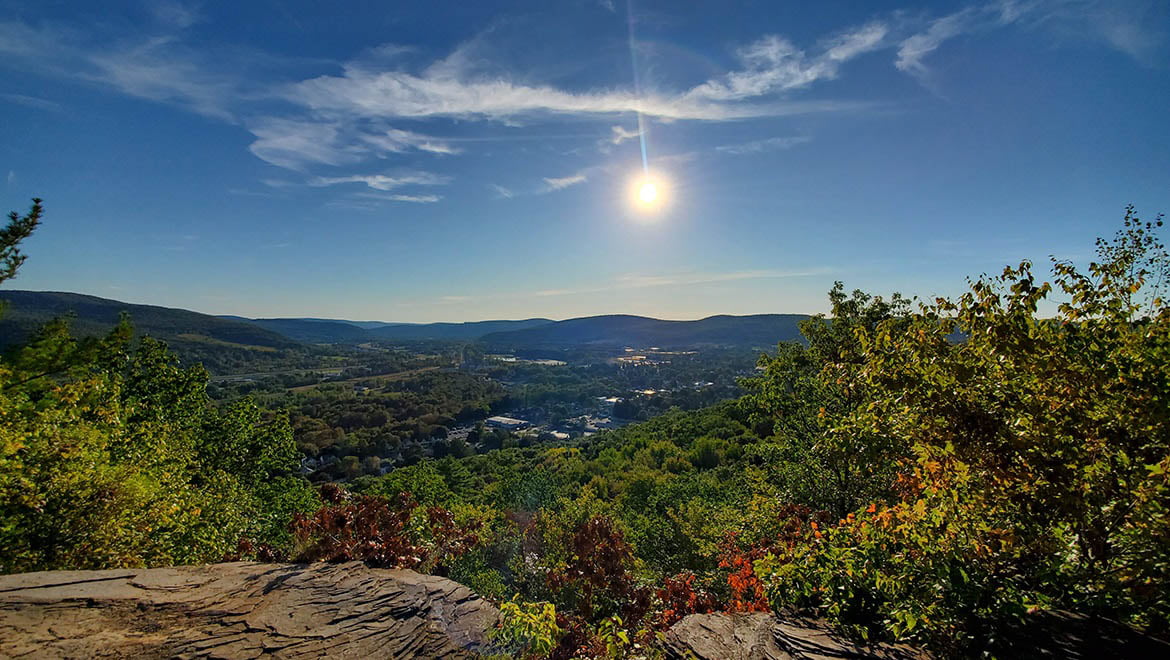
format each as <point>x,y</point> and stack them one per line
<point>383,181</point>
<point>565,182</point>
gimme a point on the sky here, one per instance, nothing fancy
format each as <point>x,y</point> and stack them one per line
<point>455,161</point>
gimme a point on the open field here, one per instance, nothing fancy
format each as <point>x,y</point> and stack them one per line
<point>383,378</point>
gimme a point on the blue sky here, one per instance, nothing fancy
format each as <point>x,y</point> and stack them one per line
<point>473,160</point>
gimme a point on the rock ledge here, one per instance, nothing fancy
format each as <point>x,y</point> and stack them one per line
<point>241,610</point>
<point>761,636</point>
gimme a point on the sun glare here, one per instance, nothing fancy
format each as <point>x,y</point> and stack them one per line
<point>648,193</point>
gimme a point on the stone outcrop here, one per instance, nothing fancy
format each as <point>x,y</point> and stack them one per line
<point>765,637</point>
<point>245,610</point>
<point>730,636</point>
<point>241,610</point>
<point>760,636</point>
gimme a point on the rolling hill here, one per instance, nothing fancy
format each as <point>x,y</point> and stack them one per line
<point>348,332</point>
<point>225,343</point>
<point>313,331</point>
<point>469,331</point>
<point>755,331</point>
<point>222,345</point>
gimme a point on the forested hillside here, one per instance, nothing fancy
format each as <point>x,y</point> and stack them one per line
<point>755,331</point>
<point>96,316</point>
<point>311,331</point>
<point>326,331</point>
<point>222,345</point>
<point>759,331</point>
<point>878,474</point>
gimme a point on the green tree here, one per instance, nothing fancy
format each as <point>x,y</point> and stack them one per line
<point>800,395</point>
<point>1039,455</point>
<point>112,455</point>
<point>19,227</point>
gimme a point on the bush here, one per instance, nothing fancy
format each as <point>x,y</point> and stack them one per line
<point>1029,458</point>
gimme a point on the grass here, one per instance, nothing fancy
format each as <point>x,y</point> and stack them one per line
<point>383,378</point>
<point>204,339</point>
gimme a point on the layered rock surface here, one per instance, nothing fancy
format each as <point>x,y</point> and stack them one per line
<point>765,637</point>
<point>241,610</point>
<point>245,610</point>
<point>761,636</point>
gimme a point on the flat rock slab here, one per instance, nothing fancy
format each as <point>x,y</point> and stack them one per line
<point>762,636</point>
<point>241,610</point>
<point>727,636</point>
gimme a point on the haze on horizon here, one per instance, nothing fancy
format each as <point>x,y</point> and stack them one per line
<point>466,161</point>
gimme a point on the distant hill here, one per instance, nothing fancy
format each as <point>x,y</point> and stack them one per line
<point>349,332</point>
<point>755,331</point>
<point>29,309</point>
<point>313,331</point>
<point>361,324</point>
<point>225,343</point>
<point>470,331</point>
<point>222,345</point>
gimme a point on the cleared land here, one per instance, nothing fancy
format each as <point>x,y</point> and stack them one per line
<point>383,378</point>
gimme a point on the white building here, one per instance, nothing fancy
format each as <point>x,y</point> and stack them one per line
<point>507,423</point>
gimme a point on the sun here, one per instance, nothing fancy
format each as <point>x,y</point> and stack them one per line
<point>648,193</point>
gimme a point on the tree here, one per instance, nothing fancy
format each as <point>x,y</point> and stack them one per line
<point>800,395</point>
<point>112,455</point>
<point>19,228</point>
<point>1038,453</point>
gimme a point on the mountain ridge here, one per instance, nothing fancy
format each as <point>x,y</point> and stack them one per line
<point>754,330</point>
<point>94,315</point>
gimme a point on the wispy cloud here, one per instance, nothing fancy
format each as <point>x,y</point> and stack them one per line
<point>912,50</point>
<point>565,182</point>
<point>680,158</point>
<point>158,68</point>
<point>379,86</point>
<point>301,143</point>
<point>387,197</point>
<point>617,135</point>
<point>413,199</point>
<point>382,181</point>
<point>1129,27</point>
<point>360,113</point>
<point>340,109</point>
<point>773,64</point>
<point>457,87</point>
<point>294,144</point>
<point>501,191</point>
<point>172,13</point>
<point>758,146</point>
<point>32,102</point>
<point>620,134</point>
<point>1137,28</point>
<point>395,140</point>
